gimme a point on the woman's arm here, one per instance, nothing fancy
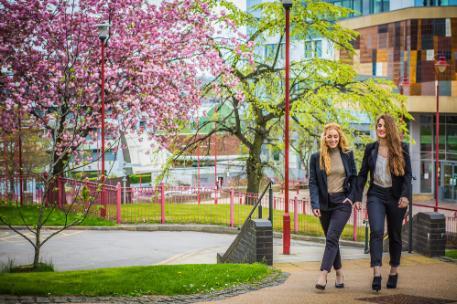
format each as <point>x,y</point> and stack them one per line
<point>406,186</point>
<point>313,186</point>
<point>363,175</point>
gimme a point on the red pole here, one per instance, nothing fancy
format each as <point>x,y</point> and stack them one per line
<point>286,216</point>
<point>103,108</point>
<point>162,203</point>
<point>103,210</point>
<point>215,159</point>
<point>232,203</point>
<point>21,189</point>
<point>354,232</point>
<point>118,202</point>
<point>295,214</point>
<point>198,168</point>
<point>437,144</point>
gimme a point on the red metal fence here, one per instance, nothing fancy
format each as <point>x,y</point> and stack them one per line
<point>186,204</point>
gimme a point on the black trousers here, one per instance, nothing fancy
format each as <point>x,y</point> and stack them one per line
<point>333,221</point>
<point>381,205</point>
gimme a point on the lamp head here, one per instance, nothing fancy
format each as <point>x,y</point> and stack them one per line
<point>404,82</point>
<point>441,64</point>
<point>287,3</point>
<point>103,31</point>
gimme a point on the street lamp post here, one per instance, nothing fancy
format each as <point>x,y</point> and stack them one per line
<point>21,186</point>
<point>215,159</point>
<point>287,4</point>
<point>103,34</point>
<point>440,67</point>
<point>198,162</point>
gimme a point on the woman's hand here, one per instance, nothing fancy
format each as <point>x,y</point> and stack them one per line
<point>358,205</point>
<point>317,212</point>
<point>403,202</point>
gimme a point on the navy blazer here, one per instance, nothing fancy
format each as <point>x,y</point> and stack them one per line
<point>318,189</point>
<point>401,185</point>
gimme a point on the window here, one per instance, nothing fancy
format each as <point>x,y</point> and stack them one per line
<point>271,49</point>
<point>379,6</point>
<point>355,5</point>
<point>308,49</point>
<point>318,48</point>
<point>313,49</point>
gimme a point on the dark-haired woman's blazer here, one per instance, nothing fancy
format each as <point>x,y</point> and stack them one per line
<point>401,185</point>
<point>318,180</point>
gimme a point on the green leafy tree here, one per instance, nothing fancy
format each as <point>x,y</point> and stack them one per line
<point>322,90</point>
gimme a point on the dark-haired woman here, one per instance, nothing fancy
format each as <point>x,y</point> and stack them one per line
<point>388,162</point>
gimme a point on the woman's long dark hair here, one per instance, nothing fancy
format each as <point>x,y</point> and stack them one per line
<point>396,158</point>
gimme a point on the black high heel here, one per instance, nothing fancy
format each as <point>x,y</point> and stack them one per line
<point>376,285</point>
<point>321,287</point>
<point>339,285</point>
<point>392,281</point>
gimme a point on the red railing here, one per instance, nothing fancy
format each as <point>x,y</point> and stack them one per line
<point>164,204</point>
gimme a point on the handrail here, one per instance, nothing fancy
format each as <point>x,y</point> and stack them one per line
<point>243,227</point>
<point>258,201</point>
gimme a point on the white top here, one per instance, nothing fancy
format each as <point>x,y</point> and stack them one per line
<point>382,176</point>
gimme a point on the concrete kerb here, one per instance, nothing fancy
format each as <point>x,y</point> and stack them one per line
<point>188,227</point>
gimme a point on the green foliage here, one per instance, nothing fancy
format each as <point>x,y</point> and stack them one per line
<point>134,281</point>
<point>322,90</point>
<point>11,267</point>
<point>135,178</point>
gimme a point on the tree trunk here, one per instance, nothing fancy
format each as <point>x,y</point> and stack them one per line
<point>36,258</point>
<point>254,165</point>
<point>59,166</point>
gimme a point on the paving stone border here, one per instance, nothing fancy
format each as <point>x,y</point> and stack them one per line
<point>274,279</point>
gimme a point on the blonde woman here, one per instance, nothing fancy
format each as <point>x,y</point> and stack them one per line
<point>388,162</point>
<point>332,187</point>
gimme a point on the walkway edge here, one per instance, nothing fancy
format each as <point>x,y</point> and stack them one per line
<point>189,227</point>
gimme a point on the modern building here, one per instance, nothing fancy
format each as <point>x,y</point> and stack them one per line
<point>402,41</point>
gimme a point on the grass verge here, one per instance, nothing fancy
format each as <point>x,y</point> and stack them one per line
<point>134,281</point>
<point>57,217</point>
<point>451,253</point>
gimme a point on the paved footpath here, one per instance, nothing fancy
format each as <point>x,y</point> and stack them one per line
<point>421,280</point>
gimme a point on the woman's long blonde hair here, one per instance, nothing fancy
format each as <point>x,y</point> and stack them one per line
<point>324,153</point>
<point>396,159</point>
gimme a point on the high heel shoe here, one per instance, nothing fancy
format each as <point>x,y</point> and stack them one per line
<point>321,287</point>
<point>376,285</point>
<point>339,285</point>
<point>392,281</point>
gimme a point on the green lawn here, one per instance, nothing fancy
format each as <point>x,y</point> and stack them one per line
<point>57,217</point>
<point>134,281</point>
<point>179,213</point>
<point>220,215</point>
<point>451,253</point>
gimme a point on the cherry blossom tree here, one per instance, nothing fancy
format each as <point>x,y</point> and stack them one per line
<point>50,66</point>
